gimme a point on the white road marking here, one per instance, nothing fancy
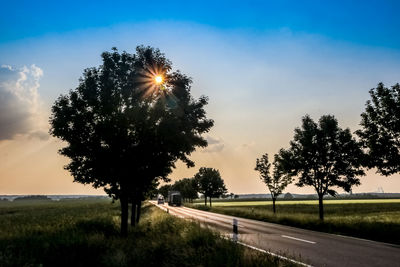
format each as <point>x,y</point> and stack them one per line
<point>273,254</point>
<point>299,239</point>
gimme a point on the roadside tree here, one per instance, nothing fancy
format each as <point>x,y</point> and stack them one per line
<point>210,183</point>
<point>275,181</point>
<point>187,187</point>
<point>380,133</point>
<point>163,190</point>
<point>323,156</point>
<point>127,123</point>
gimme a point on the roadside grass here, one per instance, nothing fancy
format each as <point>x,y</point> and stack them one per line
<point>374,221</point>
<point>86,233</point>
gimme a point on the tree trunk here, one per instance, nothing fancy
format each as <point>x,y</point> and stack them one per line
<point>210,202</point>
<point>124,215</point>
<point>273,205</point>
<point>139,208</point>
<point>321,206</point>
<point>205,200</point>
<point>133,214</point>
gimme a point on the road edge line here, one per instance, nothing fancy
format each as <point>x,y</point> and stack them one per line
<point>271,253</point>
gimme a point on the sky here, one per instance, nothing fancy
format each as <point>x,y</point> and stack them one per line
<point>263,65</point>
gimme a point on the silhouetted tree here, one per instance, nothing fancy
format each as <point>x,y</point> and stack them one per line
<point>380,132</point>
<point>275,181</point>
<point>210,183</point>
<point>288,196</point>
<point>323,156</point>
<point>163,190</point>
<point>187,187</point>
<point>124,131</point>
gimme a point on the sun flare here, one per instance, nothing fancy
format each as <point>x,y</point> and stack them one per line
<point>158,79</point>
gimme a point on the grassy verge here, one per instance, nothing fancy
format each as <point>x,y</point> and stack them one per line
<point>86,233</point>
<point>374,221</point>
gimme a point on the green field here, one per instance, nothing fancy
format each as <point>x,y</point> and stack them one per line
<point>86,233</point>
<point>375,219</point>
<point>302,202</point>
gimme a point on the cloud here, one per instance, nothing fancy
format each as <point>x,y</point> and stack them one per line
<point>214,144</point>
<point>41,135</point>
<point>20,111</point>
<point>248,145</point>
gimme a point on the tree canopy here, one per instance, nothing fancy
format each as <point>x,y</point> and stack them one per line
<point>210,183</point>
<point>275,181</point>
<point>380,132</point>
<point>187,187</point>
<point>123,130</point>
<point>324,156</point>
<point>163,190</point>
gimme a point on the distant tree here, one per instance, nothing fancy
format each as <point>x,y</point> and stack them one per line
<point>163,190</point>
<point>187,187</point>
<point>275,181</point>
<point>153,191</point>
<point>323,156</point>
<point>210,183</point>
<point>231,195</point>
<point>380,132</point>
<point>236,196</point>
<point>123,129</point>
<point>33,197</point>
<point>288,196</point>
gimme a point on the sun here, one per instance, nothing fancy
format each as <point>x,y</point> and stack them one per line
<point>158,79</point>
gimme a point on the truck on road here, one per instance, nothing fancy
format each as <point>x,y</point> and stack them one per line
<point>174,198</point>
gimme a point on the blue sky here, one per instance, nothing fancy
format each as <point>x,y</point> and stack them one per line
<point>263,64</point>
<point>364,22</point>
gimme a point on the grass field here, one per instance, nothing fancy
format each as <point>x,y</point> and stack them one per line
<point>302,202</point>
<point>371,219</point>
<point>86,233</point>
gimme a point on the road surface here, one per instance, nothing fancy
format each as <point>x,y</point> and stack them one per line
<point>310,247</point>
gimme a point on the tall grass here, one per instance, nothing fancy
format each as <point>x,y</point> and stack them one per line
<point>86,233</point>
<point>375,221</point>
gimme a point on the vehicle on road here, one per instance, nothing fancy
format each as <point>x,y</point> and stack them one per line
<point>160,199</point>
<point>174,198</point>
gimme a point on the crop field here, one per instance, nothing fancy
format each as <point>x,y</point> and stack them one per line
<point>375,219</point>
<point>86,233</point>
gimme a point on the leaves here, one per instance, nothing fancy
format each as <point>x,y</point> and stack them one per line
<point>323,155</point>
<point>121,130</point>
<point>210,183</point>
<point>380,133</point>
<point>278,180</point>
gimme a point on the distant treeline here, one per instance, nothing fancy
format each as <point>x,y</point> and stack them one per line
<point>285,197</point>
<point>32,197</point>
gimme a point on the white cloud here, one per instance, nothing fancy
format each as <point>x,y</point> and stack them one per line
<point>214,144</point>
<point>20,106</point>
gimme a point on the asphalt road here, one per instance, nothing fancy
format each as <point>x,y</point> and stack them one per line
<point>310,247</point>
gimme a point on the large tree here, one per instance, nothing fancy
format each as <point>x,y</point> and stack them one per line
<point>127,123</point>
<point>210,183</point>
<point>324,156</point>
<point>380,133</point>
<point>275,181</point>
